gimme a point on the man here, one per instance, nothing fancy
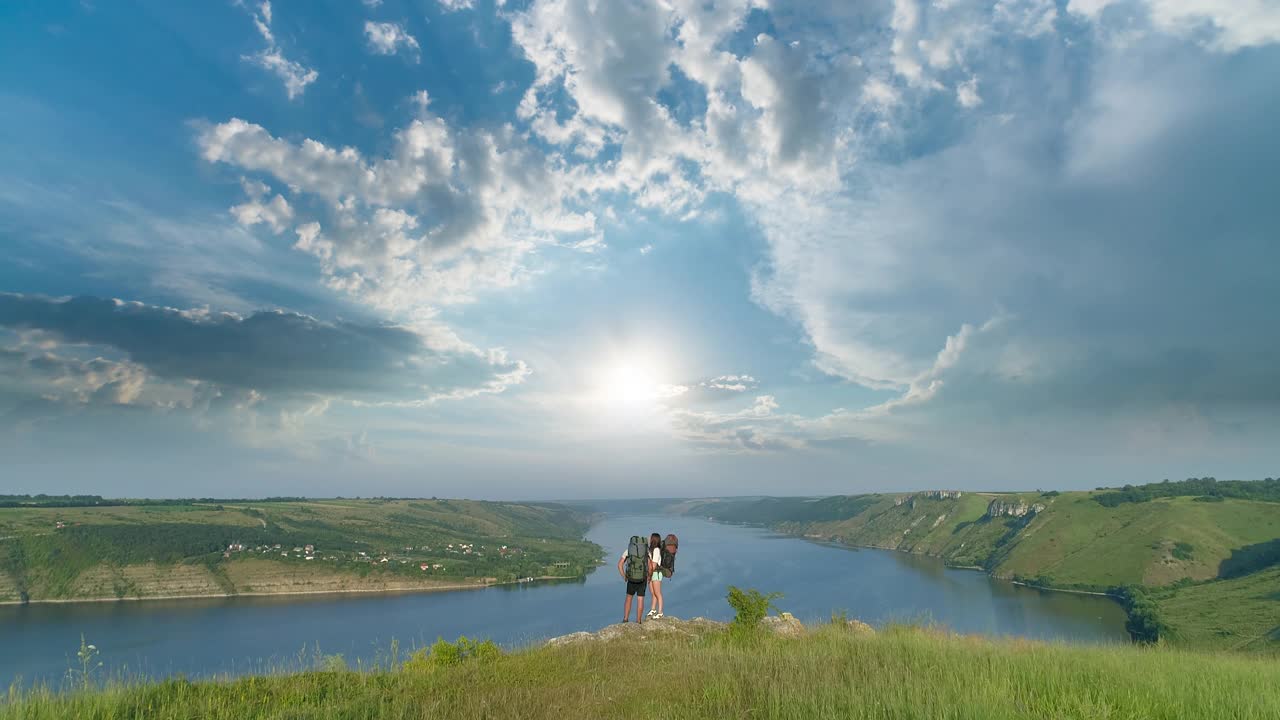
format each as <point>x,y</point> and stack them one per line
<point>635,588</point>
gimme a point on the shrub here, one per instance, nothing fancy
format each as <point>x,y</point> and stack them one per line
<point>1144,623</point>
<point>750,606</point>
<point>1183,550</point>
<point>443,653</point>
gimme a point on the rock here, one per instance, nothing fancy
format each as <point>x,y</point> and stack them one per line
<point>1017,509</point>
<point>570,639</point>
<point>859,627</point>
<point>667,627</point>
<point>785,625</point>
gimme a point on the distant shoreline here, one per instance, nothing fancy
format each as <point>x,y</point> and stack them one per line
<point>838,543</point>
<point>286,593</point>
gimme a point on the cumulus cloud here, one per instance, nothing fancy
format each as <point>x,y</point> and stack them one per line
<point>269,353</point>
<point>274,212</point>
<point>756,428</point>
<point>732,383</point>
<point>1228,26</point>
<point>456,5</point>
<point>448,213</point>
<point>1092,259</point>
<point>28,369</point>
<point>386,38</point>
<point>295,76</point>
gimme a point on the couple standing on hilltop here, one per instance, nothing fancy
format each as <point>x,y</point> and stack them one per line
<point>644,565</point>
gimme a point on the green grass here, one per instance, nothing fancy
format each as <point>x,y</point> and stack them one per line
<point>1241,613</point>
<point>829,673</point>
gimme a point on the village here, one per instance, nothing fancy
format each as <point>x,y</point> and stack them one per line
<point>469,559</point>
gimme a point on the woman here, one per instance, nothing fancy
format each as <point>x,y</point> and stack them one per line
<point>655,575</point>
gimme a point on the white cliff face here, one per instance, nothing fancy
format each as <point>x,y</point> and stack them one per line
<point>930,494</point>
<point>999,508</point>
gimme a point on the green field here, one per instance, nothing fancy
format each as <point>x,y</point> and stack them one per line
<point>830,672</point>
<point>1181,548</point>
<point>217,548</point>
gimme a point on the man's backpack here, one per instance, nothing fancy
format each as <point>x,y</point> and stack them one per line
<point>637,565</point>
<point>669,548</point>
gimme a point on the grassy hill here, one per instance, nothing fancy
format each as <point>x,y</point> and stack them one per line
<point>1184,547</point>
<point>145,549</point>
<point>827,672</point>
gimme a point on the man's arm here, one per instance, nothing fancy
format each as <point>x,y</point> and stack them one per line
<point>621,572</point>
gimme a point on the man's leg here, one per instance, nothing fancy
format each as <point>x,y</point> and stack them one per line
<point>626,608</point>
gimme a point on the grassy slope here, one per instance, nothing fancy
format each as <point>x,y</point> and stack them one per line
<point>900,673</point>
<point>1075,543</point>
<point>1241,613</point>
<point>109,552</point>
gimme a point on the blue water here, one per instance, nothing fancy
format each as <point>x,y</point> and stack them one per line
<point>199,638</point>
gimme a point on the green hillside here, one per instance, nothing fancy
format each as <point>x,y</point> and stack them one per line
<point>1150,536</point>
<point>191,548</point>
<point>832,671</point>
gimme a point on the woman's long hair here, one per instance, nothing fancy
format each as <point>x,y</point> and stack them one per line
<point>655,542</point>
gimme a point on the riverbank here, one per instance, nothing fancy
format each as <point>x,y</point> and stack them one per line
<point>1020,583</point>
<point>707,671</point>
<point>283,593</point>
<point>478,585</point>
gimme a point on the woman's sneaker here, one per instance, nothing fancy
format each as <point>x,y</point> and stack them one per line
<point>652,613</point>
<point>655,617</point>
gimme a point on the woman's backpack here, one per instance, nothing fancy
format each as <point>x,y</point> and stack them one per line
<point>669,548</point>
<point>637,566</point>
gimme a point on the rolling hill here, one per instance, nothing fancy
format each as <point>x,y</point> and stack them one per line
<point>1183,549</point>
<point>142,549</point>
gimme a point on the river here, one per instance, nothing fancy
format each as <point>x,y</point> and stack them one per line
<point>230,636</point>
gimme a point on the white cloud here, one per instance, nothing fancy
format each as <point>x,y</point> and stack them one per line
<point>1232,24</point>
<point>295,75</point>
<point>732,383</point>
<point>275,212</point>
<point>386,38</point>
<point>446,214</point>
<point>967,93</point>
<point>456,5</point>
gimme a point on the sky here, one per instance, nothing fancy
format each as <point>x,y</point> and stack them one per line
<point>595,249</point>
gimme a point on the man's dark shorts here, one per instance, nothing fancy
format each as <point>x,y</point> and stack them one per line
<point>636,588</point>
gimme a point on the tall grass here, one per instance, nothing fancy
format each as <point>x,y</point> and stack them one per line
<point>831,672</point>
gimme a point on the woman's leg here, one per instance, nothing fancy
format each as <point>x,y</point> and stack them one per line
<point>656,585</point>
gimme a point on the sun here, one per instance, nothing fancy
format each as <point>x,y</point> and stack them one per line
<point>631,384</point>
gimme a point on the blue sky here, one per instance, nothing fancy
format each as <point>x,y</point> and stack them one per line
<point>564,248</point>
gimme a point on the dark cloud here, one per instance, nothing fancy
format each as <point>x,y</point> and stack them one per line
<point>268,351</point>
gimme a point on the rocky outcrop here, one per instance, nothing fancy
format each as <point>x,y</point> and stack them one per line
<point>784,625</point>
<point>928,494</point>
<point>999,508</point>
<point>667,627</point>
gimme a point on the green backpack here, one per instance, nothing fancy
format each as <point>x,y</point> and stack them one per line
<point>637,566</point>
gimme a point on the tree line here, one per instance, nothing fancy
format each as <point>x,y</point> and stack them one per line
<point>1205,487</point>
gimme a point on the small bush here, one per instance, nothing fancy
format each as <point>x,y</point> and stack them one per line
<point>443,653</point>
<point>1183,550</point>
<point>750,606</point>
